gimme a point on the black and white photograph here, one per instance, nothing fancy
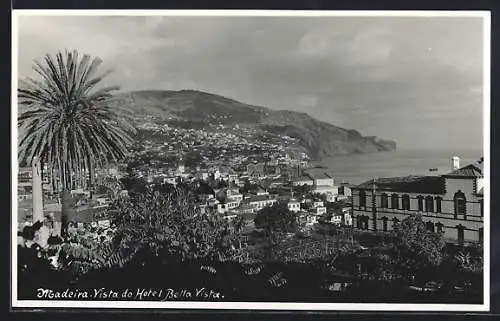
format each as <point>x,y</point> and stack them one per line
<point>284,160</point>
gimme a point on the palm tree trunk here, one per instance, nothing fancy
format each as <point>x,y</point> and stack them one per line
<point>90,179</point>
<point>65,209</point>
<point>65,200</point>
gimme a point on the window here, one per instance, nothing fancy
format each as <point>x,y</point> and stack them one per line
<point>384,224</point>
<point>362,222</point>
<point>438,204</point>
<point>430,226</point>
<point>481,205</point>
<point>481,234</point>
<point>384,201</point>
<point>362,198</point>
<point>429,204</point>
<point>395,222</point>
<point>394,201</point>
<point>460,203</point>
<point>420,203</point>
<point>439,228</point>
<point>460,233</point>
<point>405,200</point>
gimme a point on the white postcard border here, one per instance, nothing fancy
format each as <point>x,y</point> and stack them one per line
<point>486,15</point>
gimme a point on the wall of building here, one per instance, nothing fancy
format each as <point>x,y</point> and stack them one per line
<point>324,181</point>
<point>467,186</point>
<point>472,223</point>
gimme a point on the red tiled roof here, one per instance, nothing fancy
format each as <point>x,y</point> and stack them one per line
<point>302,179</point>
<point>469,171</point>
<point>259,198</point>
<point>316,173</point>
<point>408,184</point>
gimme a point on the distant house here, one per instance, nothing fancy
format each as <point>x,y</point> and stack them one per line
<point>316,204</point>
<point>223,208</point>
<point>260,191</point>
<point>170,180</point>
<point>294,206</point>
<point>303,180</point>
<point>344,192</point>
<point>307,219</point>
<point>234,195</point>
<point>256,170</point>
<point>342,218</point>
<point>318,210</point>
<point>260,201</point>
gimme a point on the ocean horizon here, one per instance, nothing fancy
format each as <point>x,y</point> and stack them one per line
<point>358,168</point>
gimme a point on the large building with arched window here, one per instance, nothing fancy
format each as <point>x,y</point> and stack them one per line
<point>451,203</point>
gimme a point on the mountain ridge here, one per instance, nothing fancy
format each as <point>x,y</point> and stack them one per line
<point>320,138</point>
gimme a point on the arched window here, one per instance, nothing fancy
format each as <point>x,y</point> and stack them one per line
<point>460,203</point>
<point>429,204</point>
<point>438,204</point>
<point>362,198</point>
<point>460,233</point>
<point>394,201</point>
<point>405,200</point>
<point>384,200</point>
<point>430,226</point>
<point>362,222</point>
<point>420,203</point>
<point>365,222</point>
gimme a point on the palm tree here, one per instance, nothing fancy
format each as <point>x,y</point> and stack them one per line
<point>68,123</point>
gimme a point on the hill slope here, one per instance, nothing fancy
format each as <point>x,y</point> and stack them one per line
<point>321,139</point>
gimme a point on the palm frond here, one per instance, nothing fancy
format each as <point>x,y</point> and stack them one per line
<point>69,123</point>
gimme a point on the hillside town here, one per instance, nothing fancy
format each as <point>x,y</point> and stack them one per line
<point>264,173</point>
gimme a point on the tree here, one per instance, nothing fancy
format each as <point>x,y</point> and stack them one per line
<point>275,220</point>
<point>68,123</point>
<point>171,225</point>
<point>302,190</point>
<point>418,248</point>
<point>276,217</point>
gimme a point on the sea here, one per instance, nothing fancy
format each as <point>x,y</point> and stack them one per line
<point>358,168</point>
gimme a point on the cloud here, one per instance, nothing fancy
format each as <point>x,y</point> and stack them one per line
<point>376,75</point>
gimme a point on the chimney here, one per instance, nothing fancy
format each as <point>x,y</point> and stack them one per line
<point>455,163</point>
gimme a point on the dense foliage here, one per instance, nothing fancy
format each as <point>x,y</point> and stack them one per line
<point>162,240</point>
<point>276,218</point>
<point>170,224</point>
<point>416,244</point>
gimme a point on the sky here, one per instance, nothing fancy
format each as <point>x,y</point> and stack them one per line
<point>416,80</point>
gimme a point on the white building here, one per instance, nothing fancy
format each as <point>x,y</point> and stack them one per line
<point>260,201</point>
<point>294,206</point>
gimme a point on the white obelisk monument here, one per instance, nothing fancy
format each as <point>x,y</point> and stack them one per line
<point>37,191</point>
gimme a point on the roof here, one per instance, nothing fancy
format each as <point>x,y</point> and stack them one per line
<point>408,184</point>
<point>260,198</point>
<point>318,174</point>
<point>302,179</point>
<point>469,171</point>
